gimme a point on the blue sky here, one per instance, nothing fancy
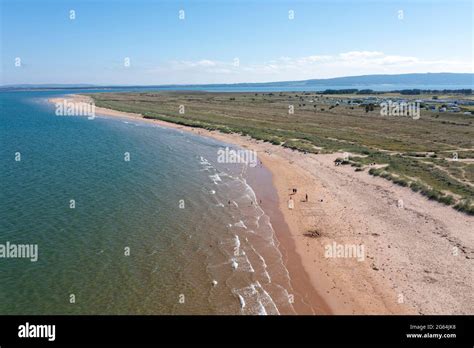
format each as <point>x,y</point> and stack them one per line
<point>229,41</point>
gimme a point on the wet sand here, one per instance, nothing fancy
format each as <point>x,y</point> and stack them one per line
<point>306,298</point>
<point>418,257</point>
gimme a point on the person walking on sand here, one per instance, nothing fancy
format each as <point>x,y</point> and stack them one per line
<point>306,198</point>
<point>291,204</point>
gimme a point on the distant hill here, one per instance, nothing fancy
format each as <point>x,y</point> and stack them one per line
<point>421,79</point>
<point>399,79</point>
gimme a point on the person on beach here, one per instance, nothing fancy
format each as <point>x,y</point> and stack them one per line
<point>291,204</point>
<point>306,198</point>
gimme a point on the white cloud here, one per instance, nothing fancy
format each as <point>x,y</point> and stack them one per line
<point>360,55</point>
<point>183,65</point>
<point>300,68</point>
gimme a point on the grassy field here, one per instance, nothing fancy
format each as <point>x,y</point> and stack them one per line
<point>433,155</point>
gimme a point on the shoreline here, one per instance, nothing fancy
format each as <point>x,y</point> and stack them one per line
<point>306,299</point>
<point>402,273</point>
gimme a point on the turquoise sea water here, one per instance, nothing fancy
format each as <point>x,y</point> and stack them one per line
<point>175,253</point>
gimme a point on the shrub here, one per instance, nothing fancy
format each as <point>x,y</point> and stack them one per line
<point>465,206</point>
<point>374,171</point>
<point>416,186</point>
<point>400,182</point>
<point>448,199</point>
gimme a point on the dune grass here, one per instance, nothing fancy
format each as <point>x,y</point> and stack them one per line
<point>415,153</point>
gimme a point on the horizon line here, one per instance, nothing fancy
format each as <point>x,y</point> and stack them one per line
<point>227,83</point>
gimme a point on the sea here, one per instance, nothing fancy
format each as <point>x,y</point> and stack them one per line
<point>129,218</point>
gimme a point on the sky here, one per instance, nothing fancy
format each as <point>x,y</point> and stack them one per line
<point>150,42</point>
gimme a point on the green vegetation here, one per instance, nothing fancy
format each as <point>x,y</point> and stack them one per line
<point>420,154</point>
<point>465,206</point>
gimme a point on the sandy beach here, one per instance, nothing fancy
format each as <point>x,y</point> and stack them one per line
<point>418,254</point>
